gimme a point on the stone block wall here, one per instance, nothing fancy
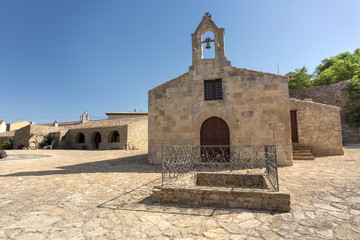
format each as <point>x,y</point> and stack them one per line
<point>38,132</point>
<point>223,197</point>
<point>35,133</point>
<point>334,95</point>
<point>255,106</point>
<point>138,135</point>
<point>21,137</point>
<point>319,127</point>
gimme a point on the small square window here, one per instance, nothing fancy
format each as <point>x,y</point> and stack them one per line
<point>213,89</point>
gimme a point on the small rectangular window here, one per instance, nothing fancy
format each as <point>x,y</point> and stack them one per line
<point>213,89</point>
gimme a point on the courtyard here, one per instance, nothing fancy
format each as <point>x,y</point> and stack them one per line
<point>74,194</point>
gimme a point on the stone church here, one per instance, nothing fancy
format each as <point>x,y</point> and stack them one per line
<point>218,104</point>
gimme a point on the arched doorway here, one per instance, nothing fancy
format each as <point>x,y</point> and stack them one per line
<point>80,138</point>
<point>96,140</point>
<point>215,139</point>
<point>114,136</point>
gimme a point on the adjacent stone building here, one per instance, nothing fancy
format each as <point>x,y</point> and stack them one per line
<point>334,95</point>
<point>124,133</point>
<point>218,104</point>
<point>318,126</point>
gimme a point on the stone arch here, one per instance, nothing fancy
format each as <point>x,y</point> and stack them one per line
<point>85,117</point>
<point>208,39</point>
<point>227,116</point>
<point>80,138</point>
<point>96,139</point>
<point>114,136</point>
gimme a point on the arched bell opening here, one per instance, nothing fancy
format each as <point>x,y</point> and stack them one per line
<point>208,44</point>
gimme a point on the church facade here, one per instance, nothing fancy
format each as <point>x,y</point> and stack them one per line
<point>218,104</point>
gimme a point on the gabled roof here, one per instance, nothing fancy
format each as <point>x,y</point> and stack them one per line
<point>1,121</point>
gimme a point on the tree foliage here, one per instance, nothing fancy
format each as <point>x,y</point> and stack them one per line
<point>46,141</point>
<point>300,78</point>
<point>8,145</point>
<point>344,66</point>
<point>352,107</point>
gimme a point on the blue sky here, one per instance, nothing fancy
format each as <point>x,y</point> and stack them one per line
<point>59,58</point>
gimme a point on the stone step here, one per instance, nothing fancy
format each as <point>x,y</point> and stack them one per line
<point>303,158</point>
<point>302,151</point>
<point>299,147</point>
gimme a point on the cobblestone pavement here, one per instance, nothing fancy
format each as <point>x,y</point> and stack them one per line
<point>105,195</point>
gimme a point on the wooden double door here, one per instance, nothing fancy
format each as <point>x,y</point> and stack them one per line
<point>215,139</point>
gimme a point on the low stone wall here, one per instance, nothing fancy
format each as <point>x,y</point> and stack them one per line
<point>254,199</point>
<point>319,127</point>
<point>193,189</point>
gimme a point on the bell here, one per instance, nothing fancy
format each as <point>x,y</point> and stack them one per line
<point>208,45</point>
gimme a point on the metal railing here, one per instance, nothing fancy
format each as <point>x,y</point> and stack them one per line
<point>228,162</point>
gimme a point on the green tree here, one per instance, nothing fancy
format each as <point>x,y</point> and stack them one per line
<point>352,107</point>
<point>300,78</point>
<point>344,66</point>
<point>8,145</point>
<point>46,141</point>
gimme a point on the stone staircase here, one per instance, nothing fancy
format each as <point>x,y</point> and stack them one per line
<point>301,152</point>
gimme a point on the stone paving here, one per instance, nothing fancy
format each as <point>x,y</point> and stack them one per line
<point>105,195</point>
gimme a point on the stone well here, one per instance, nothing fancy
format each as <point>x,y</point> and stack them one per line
<point>247,191</point>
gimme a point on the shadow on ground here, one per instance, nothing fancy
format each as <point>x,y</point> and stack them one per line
<point>137,164</point>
